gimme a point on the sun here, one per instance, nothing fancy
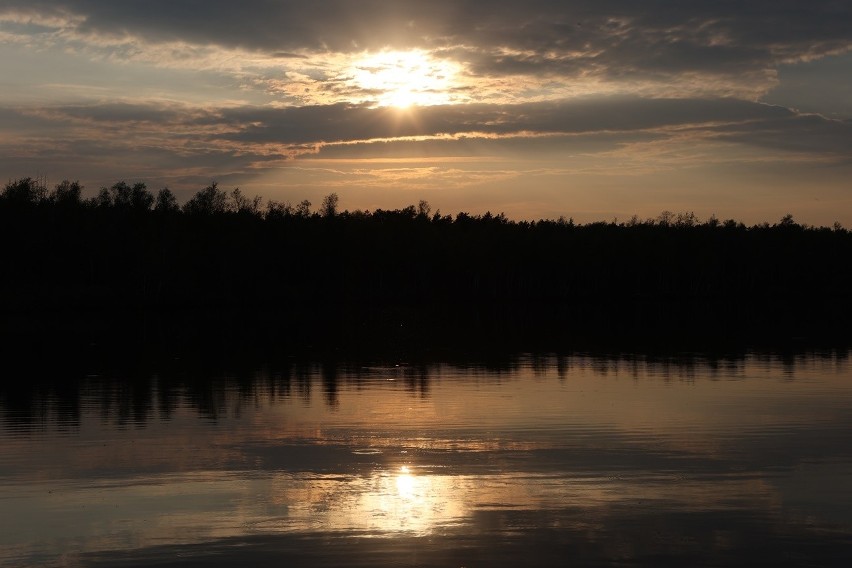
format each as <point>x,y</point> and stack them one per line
<point>405,78</point>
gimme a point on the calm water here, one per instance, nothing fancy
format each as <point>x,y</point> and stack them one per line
<point>544,461</point>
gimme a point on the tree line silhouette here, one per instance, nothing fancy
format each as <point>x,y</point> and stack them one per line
<point>128,248</point>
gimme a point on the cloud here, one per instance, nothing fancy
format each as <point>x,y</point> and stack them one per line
<point>668,46</point>
<point>823,85</point>
<point>341,122</point>
<point>803,133</point>
<point>199,143</point>
<point>343,25</point>
<point>544,128</point>
<point>295,130</point>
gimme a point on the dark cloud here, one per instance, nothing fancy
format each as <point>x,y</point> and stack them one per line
<point>497,36</point>
<point>798,133</point>
<point>731,119</point>
<point>816,86</point>
<point>343,122</point>
<point>17,122</point>
<point>119,113</point>
<point>260,133</point>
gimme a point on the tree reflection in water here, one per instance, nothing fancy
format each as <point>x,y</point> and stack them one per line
<point>130,397</point>
<point>610,460</point>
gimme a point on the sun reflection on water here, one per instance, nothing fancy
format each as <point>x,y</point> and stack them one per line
<point>403,501</point>
<point>405,483</point>
<point>389,501</point>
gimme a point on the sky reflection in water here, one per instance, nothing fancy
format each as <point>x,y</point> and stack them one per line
<point>609,460</point>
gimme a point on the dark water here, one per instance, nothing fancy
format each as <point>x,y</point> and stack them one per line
<point>615,461</point>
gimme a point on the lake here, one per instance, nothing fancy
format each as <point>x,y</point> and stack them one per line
<point>609,460</point>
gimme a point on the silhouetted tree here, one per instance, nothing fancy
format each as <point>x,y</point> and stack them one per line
<point>102,200</point>
<point>67,193</point>
<point>787,221</point>
<point>120,195</point>
<point>665,218</point>
<point>303,209</point>
<point>140,198</point>
<point>208,201</point>
<point>24,191</point>
<point>686,219</point>
<point>166,202</point>
<point>329,205</point>
<point>423,209</point>
<point>401,259</point>
<point>278,210</point>
<point>239,203</point>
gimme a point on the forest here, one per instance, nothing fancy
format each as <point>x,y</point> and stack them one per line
<point>223,259</point>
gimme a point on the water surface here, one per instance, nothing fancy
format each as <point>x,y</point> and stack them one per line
<point>542,461</point>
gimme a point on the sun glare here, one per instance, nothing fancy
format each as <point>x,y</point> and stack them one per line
<point>405,78</point>
<point>405,483</point>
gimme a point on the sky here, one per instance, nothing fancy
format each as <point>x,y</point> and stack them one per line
<point>591,109</point>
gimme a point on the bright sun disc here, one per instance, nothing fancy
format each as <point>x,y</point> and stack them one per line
<point>405,78</point>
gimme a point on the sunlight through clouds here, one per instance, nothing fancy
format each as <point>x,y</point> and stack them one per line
<point>377,79</point>
<point>603,88</point>
<point>402,79</point>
